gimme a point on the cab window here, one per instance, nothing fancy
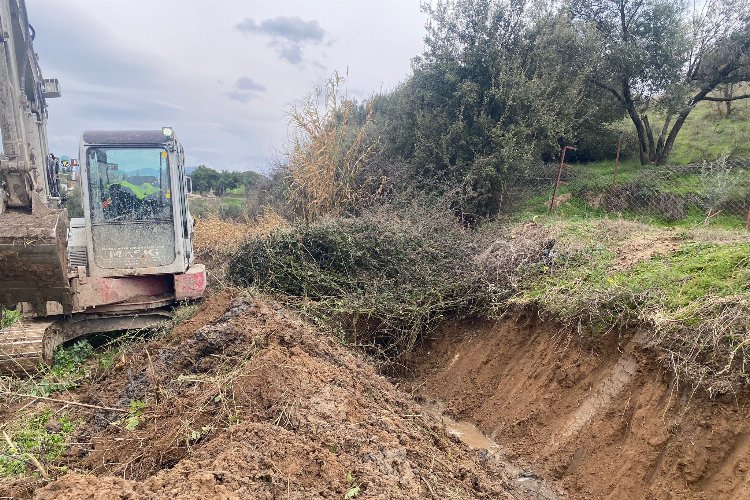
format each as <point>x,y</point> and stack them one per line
<point>129,184</point>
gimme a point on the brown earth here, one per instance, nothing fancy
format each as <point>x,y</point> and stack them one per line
<point>606,423</point>
<point>251,402</point>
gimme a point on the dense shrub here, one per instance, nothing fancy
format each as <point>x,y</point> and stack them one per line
<point>386,277</point>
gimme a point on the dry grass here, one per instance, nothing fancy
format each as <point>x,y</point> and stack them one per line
<point>327,153</point>
<point>215,234</point>
<point>216,240</point>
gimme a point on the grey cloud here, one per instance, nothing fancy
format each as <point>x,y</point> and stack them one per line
<point>287,34</point>
<point>290,52</point>
<point>239,96</point>
<point>293,29</point>
<point>245,83</point>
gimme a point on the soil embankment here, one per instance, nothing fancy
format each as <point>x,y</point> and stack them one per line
<point>248,401</point>
<point>607,423</point>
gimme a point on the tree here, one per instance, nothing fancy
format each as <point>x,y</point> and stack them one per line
<point>226,181</point>
<point>661,56</point>
<point>498,86</point>
<point>204,179</point>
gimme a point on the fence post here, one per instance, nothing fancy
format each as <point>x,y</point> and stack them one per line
<point>559,174</point>
<point>617,160</point>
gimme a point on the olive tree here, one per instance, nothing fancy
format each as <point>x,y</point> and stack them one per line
<point>662,57</point>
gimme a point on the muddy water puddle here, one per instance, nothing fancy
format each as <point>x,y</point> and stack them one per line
<point>474,438</point>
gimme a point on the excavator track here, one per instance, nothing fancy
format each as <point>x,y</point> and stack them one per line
<point>29,344</point>
<point>26,345</point>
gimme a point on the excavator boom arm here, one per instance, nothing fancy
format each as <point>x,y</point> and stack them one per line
<point>33,229</point>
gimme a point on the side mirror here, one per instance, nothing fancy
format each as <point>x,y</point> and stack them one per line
<point>189,184</point>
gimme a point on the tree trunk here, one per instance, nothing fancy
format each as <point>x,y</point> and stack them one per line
<point>728,91</point>
<point>640,130</point>
<point>663,155</point>
<point>663,135</point>
<point>650,137</point>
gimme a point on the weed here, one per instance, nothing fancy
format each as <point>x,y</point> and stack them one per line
<point>41,439</point>
<point>353,486</point>
<point>67,370</point>
<point>8,317</point>
<point>135,417</point>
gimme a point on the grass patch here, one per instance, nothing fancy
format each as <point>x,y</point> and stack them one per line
<point>694,301</point>
<point>42,439</point>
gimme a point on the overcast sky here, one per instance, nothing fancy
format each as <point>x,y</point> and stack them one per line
<point>221,72</point>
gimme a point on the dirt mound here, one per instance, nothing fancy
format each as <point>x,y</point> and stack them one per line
<point>258,404</point>
<point>606,423</point>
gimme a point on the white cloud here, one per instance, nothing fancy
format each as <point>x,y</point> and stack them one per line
<point>145,64</point>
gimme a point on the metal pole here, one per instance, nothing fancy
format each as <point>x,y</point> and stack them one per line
<point>559,174</point>
<point>617,161</point>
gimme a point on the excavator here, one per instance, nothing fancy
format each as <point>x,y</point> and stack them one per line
<point>126,262</point>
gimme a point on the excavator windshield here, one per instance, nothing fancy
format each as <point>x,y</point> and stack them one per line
<point>129,184</point>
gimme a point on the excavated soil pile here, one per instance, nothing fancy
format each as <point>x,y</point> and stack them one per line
<point>606,422</point>
<point>257,404</point>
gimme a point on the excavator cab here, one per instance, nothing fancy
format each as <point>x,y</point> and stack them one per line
<point>134,188</point>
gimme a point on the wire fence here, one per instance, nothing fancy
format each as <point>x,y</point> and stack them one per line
<point>707,192</point>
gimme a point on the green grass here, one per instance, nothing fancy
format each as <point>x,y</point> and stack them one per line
<point>598,176</point>
<point>706,135</point>
<point>41,436</point>
<point>230,207</point>
<point>694,272</point>
<point>693,302</point>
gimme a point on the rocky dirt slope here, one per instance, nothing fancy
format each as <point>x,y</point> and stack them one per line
<point>248,401</point>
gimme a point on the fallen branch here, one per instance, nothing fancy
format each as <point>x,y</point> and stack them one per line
<point>65,401</point>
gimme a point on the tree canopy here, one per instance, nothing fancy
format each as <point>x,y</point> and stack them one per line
<point>207,180</point>
<point>662,57</point>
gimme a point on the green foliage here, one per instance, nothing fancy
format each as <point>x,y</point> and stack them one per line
<point>659,58</point>
<point>381,279</point>
<point>41,436</point>
<point>135,417</point>
<point>8,317</point>
<point>74,203</point>
<point>353,488</point>
<point>206,180</point>
<point>67,370</point>
<point>494,92</point>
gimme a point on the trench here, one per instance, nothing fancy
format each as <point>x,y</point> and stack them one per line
<point>592,420</point>
<point>469,434</point>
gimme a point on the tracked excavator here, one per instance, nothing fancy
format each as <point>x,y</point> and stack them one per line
<point>126,262</point>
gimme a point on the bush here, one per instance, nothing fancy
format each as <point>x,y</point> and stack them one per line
<point>383,279</point>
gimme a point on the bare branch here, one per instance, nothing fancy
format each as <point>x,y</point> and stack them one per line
<point>726,99</point>
<point>606,87</point>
